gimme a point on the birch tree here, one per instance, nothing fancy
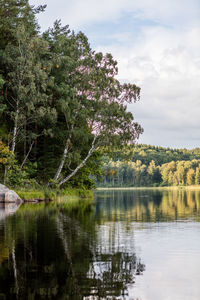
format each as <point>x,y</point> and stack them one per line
<point>60,100</point>
<point>90,100</point>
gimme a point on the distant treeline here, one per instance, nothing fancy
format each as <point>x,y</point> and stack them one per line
<point>144,165</point>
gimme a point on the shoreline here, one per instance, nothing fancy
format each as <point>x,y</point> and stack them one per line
<point>49,195</point>
<point>189,187</point>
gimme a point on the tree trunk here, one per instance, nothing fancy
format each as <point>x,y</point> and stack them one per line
<point>25,128</point>
<point>92,149</point>
<point>5,175</point>
<point>57,175</point>
<point>25,159</point>
<point>15,128</point>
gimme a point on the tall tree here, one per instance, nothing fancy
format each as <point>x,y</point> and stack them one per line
<point>91,101</point>
<point>27,80</point>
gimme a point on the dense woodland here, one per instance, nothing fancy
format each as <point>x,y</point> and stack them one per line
<point>143,165</point>
<point>63,113</point>
<point>60,102</point>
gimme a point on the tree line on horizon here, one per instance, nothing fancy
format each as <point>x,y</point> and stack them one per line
<point>146,165</point>
<point>60,102</point>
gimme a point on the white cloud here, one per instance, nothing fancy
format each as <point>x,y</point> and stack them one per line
<point>166,64</point>
<point>163,58</point>
<point>78,13</point>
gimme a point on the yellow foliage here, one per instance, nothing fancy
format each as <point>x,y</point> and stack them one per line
<point>5,153</point>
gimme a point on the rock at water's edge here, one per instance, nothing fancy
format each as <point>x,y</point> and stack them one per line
<point>3,188</point>
<point>11,196</point>
<point>7,195</point>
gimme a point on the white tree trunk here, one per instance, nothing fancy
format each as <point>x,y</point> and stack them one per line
<point>14,137</point>
<point>57,175</point>
<point>25,159</point>
<point>92,149</point>
<point>5,175</point>
<point>15,128</point>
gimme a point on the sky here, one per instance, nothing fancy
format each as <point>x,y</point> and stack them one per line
<point>157,46</point>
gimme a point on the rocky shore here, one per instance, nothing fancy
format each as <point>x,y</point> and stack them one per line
<point>8,196</point>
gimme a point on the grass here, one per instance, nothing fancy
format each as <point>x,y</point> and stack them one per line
<point>44,193</point>
<point>68,199</point>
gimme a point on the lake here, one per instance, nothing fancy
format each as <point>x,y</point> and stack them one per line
<point>131,244</point>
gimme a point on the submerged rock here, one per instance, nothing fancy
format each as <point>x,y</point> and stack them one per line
<point>7,195</point>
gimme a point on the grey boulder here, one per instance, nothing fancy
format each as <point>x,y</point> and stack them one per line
<point>11,196</point>
<point>3,188</point>
<point>7,195</point>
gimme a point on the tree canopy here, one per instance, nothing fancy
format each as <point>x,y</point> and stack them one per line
<point>60,100</point>
<point>146,165</point>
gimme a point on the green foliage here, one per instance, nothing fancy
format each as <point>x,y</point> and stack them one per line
<point>15,176</point>
<point>44,193</point>
<point>147,153</point>
<point>60,101</point>
<point>18,177</point>
<point>182,167</point>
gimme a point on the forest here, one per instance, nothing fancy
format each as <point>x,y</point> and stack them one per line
<point>61,105</point>
<point>146,165</point>
<point>63,113</point>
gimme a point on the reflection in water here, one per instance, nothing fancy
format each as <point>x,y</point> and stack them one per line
<point>149,205</point>
<point>49,252</point>
<point>54,255</point>
<point>7,209</point>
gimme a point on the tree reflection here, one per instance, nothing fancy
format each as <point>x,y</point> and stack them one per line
<point>55,254</point>
<point>110,274</point>
<point>148,205</point>
<point>51,253</point>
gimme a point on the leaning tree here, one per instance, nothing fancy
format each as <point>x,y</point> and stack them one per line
<point>91,103</point>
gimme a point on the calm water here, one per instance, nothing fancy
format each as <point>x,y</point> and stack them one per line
<point>139,245</point>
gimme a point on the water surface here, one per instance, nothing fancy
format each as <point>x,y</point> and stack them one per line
<point>142,244</point>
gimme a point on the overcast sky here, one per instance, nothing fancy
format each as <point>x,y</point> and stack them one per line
<point>157,46</point>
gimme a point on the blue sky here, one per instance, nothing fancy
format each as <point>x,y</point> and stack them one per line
<point>157,46</point>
